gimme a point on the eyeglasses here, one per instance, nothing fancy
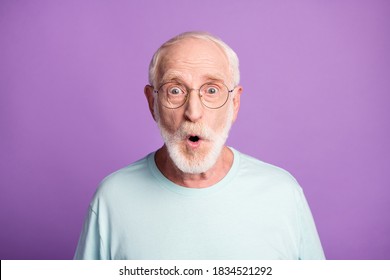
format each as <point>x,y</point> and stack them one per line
<point>213,95</point>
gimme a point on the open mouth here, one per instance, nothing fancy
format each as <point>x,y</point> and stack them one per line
<point>194,139</point>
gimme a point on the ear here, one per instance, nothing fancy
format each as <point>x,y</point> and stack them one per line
<point>236,101</point>
<point>148,91</point>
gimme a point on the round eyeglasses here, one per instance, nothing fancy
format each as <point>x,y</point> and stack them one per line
<point>213,95</point>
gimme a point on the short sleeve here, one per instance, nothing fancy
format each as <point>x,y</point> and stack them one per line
<point>90,245</point>
<point>310,245</point>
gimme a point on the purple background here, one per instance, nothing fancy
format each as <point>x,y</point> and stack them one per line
<point>72,110</point>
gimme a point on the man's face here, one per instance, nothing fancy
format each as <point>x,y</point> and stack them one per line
<point>194,134</point>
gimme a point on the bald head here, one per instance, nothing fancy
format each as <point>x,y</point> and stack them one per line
<point>202,47</point>
<point>193,59</point>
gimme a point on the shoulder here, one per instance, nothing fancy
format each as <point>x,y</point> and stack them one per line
<point>262,168</point>
<point>125,182</point>
<point>138,168</point>
<point>265,174</point>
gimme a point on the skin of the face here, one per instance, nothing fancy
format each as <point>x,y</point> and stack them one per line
<point>194,62</point>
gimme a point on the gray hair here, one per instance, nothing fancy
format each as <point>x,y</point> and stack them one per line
<point>230,54</point>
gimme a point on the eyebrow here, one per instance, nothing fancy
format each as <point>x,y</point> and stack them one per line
<point>176,77</point>
<point>171,77</point>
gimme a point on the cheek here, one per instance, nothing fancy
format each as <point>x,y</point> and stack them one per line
<point>171,121</point>
<point>218,121</point>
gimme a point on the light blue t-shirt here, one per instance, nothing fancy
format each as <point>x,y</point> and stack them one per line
<point>257,211</point>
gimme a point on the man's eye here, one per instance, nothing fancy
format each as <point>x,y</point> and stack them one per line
<point>212,90</point>
<point>175,90</point>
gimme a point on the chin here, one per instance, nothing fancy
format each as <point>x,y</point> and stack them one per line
<point>194,162</point>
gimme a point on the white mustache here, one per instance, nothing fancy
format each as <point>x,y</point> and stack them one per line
<point>195,129</point>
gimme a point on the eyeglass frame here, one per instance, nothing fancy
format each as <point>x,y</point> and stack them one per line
<point>189,90</point>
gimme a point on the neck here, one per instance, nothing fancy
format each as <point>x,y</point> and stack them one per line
<point>201,180</point>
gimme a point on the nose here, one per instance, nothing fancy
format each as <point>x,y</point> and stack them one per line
<point>194,107</point>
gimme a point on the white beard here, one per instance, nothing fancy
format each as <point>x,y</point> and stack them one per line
<point>203,158</point>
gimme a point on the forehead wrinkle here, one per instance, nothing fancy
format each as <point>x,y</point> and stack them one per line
<point>198,61</point>
<point>188,75</point>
